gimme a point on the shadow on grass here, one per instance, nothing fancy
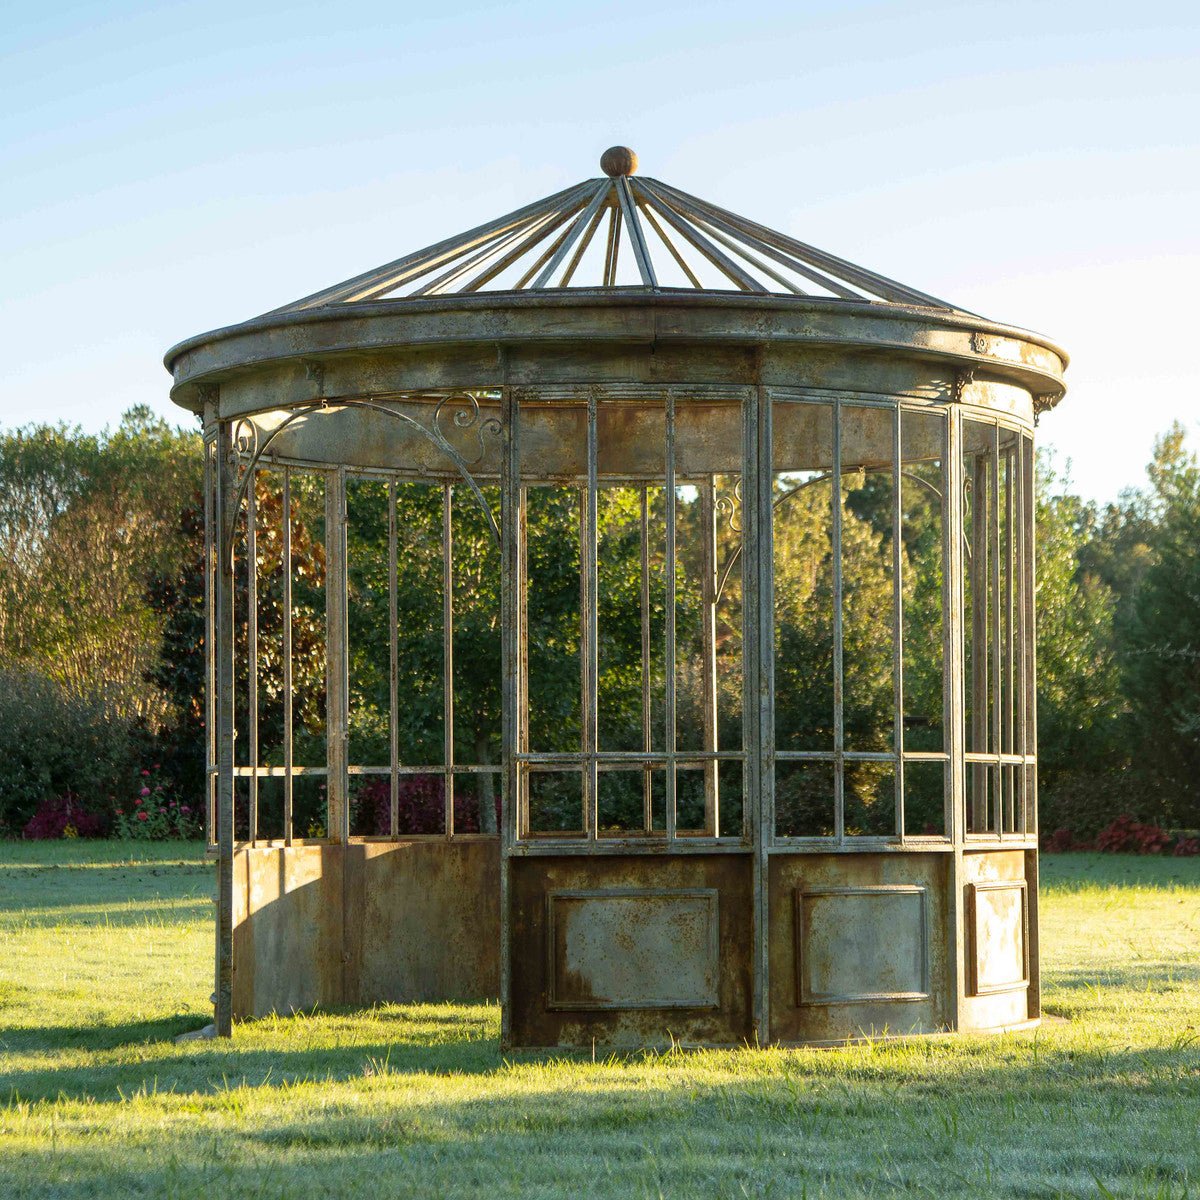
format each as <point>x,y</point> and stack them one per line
<point>1160,976</point>
<point>401,1044</point>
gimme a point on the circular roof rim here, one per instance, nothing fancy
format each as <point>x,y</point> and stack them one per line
<point>565,298</point>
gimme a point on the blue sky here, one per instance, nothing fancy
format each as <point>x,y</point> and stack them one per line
<point>176,167</point>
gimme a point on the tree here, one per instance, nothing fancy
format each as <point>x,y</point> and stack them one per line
<point>85,522</point>
<point>1160,652</point>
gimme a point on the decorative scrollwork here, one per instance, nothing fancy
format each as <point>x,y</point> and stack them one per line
<point>729,505</point>
<point>466,415</point>
<point>245,437</point>
<point>247,447</point>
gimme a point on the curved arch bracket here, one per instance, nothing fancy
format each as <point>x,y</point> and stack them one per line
<point>250,452</point>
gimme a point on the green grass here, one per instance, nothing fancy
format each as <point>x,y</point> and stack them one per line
<point>105,956</point>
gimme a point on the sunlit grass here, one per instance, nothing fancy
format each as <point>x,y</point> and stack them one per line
<point>105,955</point>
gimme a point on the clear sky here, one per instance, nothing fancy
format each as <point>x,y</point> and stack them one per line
<point>171,167</point>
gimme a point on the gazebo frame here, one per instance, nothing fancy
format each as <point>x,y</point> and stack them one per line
<point>714,927</point>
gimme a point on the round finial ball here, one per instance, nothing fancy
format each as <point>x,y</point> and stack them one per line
<point>618,160</point>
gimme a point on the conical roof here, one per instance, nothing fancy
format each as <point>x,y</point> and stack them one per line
<point>619,232</point>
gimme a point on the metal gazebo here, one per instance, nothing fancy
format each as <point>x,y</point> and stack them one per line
<point>627,610</point>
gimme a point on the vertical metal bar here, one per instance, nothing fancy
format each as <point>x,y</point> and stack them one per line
<point>511,624</point>
<point>393,667</point>
<point>1020,567</point>
<point>1031,814</point>
<point>1009,823</point>
<point>708,640</point>
<point>669,674</point>
<point>448,657</point>
<point>979,626</point>
<point>898,615</point>
<point>953,712</point>
<point>591,645</point>
<point>996,647</point>
<point>337,680</point>
<point>212,540</point>
<point>759,679</point>
<point>647,724</point>
<point>226,463</point>
<point>252,648</point>
<point>288,712</point>
<point>839,728</point>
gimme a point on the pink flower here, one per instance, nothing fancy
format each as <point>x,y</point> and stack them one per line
<point>145,772</point>
<point>156,767</point>
<point>120,812</point>
<point>144,792</point>
<point>185,808</point>
<point>138,800</point>
<point>143,816</point>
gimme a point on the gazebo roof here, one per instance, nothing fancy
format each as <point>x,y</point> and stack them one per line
<point>619,233</point>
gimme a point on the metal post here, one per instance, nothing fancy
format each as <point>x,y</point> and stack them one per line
<point>288,701</point>
<point>226,463</point>
<point>839,724</point>
<point>252,650</point>
<point>448,659</point>
<point>337,719</point>
<point>708,638</point>
<point>759,682</point>
<point>953,696</point>
<point>511,606</point>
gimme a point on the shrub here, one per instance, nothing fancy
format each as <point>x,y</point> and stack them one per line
<point>1059,842</point>
<point>1127,836</point>
<point>1187,847</point>
<point>63,816</point>
<point>54,743</point>
<point>150,810</point>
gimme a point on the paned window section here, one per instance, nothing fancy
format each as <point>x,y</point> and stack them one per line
<point>859,527</point>
<point>631,710</point>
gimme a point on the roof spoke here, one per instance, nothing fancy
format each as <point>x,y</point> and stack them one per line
<point>720,260</point>
<point>551,237</point>
<point>563,246</point>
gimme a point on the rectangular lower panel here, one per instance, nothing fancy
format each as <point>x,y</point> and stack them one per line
<point>862,944</point>
<point>630,950</point>
<point>615,948</point>
<point>996,918</point>
<point>859,945</point>
<point>998,963</point>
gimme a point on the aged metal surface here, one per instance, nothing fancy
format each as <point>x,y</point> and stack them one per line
<point>731,399</point>
<point>365,923</point>
<point>624,910</point>
<point>836,963</point>
<point>995,896</point>
<point>560,337</point>
<point>289,945</point>
<point>859,945</point>
<point>631,948</point>
<point>422,921</point>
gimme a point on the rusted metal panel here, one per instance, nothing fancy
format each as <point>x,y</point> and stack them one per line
<point>631,948</point>
<point>996,906</point>
<point>837,959</point>
<point>651,1010</point>
<point>997,916</point>
<point>291,940</point>
<point>858,945</point>
<point>367,923</point>
<point>422,921</point>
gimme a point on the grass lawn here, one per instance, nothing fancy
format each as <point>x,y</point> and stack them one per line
<point>105,955</point>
